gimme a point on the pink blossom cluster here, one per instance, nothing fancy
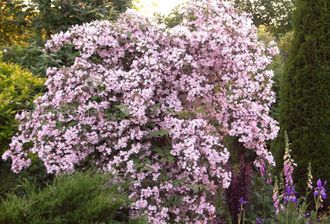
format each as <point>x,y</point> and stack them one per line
<point>153,104</point>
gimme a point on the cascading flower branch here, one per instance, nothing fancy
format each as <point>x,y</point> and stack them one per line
<point>154,105</point>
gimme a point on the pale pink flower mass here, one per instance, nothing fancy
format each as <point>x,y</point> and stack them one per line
<point>194,84</point>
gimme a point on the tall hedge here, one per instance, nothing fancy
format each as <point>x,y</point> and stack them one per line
<point>305,91</point>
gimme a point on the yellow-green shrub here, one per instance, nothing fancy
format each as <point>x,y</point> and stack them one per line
<point>18,89</point>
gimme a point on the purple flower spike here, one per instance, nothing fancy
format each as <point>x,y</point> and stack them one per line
<point>320,190</point>
<point>242,202</point>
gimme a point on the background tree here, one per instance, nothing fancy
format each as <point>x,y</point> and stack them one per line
<point>42,18</point>
<point>15,22</point>
<point>59,15</point>
<point>275,15</point>
<point>305,91</point>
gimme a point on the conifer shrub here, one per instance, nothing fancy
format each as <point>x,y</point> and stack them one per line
<point>304,91</point>
<point>83,197</point>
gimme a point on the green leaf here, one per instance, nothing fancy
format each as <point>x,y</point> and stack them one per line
<point>170,158</point>
<point>123,108</point>
<point>158,134</point>
<point>72,123</point>
<point>158,150</point>
<point>59,125</point>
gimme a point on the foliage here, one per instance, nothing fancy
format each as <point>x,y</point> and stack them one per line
<point>278,66</point>
<point>304,90</point>
<point>79,198</point>
<point>171,20</point>
<point>39,20</point>
<point>36,60</point>
<point>58,15</point>
<point>11,182</point>
<point>15,22</point>
<point>222,209</point>
<point>18,88</point>
<point>288,206</point>
<point>259,206</point>
<point>154,105</point>
<point>275,15</point>
<point>239,188</point>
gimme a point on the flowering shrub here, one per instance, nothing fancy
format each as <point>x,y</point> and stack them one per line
<point>154,105</point>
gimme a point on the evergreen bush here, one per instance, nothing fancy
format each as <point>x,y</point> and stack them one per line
<point>74,198</point>
<point>305,91</point>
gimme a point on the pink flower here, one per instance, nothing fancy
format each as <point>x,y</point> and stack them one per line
<point>156,106</point>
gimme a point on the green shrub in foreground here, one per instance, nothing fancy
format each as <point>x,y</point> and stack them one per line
<point>78,198</point>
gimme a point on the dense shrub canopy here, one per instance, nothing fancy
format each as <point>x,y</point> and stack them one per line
<point>154,104</point>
